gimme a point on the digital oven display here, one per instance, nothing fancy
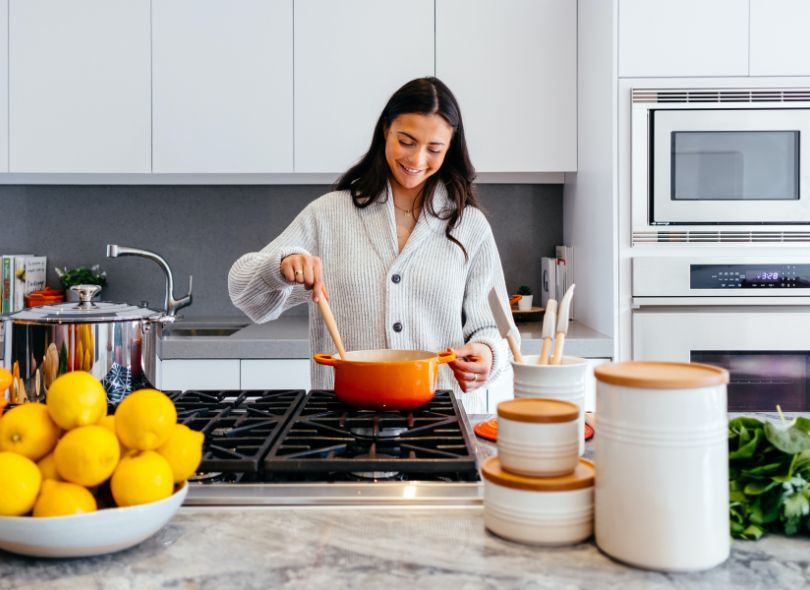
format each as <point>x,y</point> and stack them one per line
<point>749,276</point>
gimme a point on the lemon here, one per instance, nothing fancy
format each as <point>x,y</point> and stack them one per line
<point>183,451</point>
<point>141,478</point>
<point>47,467</point>
<point>20,481</point>
<point>108,422</point>
<point>28,430</point>
<point>87,455</point>
<point>76,399</point>
<point>144,420</point>
<point>59,498</point>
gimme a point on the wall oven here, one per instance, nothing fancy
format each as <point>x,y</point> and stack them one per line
<point>750,315</point>
<point>720,164</point>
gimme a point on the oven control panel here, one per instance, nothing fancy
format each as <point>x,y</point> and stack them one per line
<point>749,276</point>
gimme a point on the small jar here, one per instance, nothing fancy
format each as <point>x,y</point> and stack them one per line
<point>538,437</point>
<point>662,450</point>
<point>539,511</point>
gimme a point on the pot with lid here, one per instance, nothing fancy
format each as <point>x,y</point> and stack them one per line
<point>115,342</point>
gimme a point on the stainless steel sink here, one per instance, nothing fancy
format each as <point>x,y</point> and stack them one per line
<point>197,331</point>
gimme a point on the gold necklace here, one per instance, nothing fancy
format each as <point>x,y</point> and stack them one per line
<point>408,212</point>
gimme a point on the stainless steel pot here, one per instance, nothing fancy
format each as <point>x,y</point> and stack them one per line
<point>116,342</point>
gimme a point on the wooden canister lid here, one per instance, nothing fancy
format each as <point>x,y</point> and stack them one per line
<point>661,375</point>
<point>538,410</point>
<point>582,477</point>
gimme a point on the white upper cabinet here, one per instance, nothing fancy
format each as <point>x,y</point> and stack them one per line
<point>512,65</point>
<point>659,38</point>
<point>222,86</point>
<point>780,44</point>
<point>3,85</point>
<point>79,97</point>
<point>350,57</point>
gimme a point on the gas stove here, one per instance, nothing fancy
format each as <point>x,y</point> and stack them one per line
<point>292,447</point>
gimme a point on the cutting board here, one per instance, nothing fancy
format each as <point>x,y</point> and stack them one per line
<point>532,314</point>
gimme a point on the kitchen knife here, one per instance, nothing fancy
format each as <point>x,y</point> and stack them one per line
<point>502,321</point>
<point>563,312</point>
<point>549,324</point>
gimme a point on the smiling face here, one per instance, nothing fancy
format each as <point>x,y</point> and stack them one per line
<point>415,147</point>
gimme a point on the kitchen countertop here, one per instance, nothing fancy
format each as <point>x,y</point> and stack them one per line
<point>287,337</point>
<point>403,547</point>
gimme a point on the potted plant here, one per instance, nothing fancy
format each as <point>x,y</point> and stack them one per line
<point>80,275</point>
<point>526,296</point>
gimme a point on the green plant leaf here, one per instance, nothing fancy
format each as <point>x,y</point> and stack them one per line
<point>748,449</point>
<point>789,440</point>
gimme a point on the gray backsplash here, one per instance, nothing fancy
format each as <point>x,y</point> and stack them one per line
<point>201,230</point>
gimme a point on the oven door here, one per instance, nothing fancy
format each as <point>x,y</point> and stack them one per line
<point>730,166</point>
<point>765,349</point>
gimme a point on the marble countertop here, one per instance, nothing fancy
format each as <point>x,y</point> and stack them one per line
<point>313,548</point>
<point>287,337</point>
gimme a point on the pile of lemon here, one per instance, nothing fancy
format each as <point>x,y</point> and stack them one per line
<point>64,456</point>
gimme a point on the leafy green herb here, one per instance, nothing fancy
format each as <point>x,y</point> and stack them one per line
<point>82,276</point>
<point>769,477</point>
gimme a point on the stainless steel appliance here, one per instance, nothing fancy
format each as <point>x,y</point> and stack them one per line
<point>285,447</point>
<point>748,314</point>
<point>720,165</point>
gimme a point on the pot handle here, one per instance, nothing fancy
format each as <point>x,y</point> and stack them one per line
<point>324,359</point>
<point>446,356</point>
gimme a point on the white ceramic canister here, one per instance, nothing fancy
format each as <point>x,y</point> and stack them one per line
<point>565,381</point>
<point>662,451</point>
<point>538,437</point>
<point>539,510</point>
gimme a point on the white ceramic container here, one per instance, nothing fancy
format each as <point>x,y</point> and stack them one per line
<point>662,451</point>
<point>565,382</point>
<point>539,511</point>
<point>538,437</point>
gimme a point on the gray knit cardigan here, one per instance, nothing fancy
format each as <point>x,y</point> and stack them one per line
<point>426,297</point>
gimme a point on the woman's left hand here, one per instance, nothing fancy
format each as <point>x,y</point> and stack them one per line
<point>472,365</point>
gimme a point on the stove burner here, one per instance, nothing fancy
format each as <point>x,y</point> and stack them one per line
<point>206,476</point>
<point>374,432</point>
<point>374,475</point>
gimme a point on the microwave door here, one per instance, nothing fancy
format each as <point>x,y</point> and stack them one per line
<point>765,350</point>
<point>730,166</point>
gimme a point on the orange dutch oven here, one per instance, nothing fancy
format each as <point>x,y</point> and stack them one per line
<point>386,379</point>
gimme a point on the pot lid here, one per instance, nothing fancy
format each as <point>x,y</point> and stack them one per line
<point>581,477</point>
<point>85,311</point>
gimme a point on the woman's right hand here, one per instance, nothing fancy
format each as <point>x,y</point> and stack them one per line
<point>305,270</point>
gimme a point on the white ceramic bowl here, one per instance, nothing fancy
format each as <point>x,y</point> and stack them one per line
<point>94,533</point>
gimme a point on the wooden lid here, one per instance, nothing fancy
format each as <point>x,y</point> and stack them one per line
<point>538,410</point>
<point>661,375</point>
<point>582,477</point>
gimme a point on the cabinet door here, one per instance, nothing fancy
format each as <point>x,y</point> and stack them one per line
<point>182,374</point>
<point>512,66</point>
<point>222,86</point>
<point>780,44</point>
<point>683,38</point>
<point>350,57</point>
<point>79,86</point>
<point>3,85</point>
<point>275,374</point>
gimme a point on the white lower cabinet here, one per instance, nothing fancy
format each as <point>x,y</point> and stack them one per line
<point>275,374</point>
<point>181,374</point>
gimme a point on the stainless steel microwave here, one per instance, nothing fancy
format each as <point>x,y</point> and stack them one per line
<point>712,164</point>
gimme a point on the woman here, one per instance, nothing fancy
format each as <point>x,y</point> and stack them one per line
<point>400,249</point>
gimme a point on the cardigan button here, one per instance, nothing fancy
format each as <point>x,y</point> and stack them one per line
<point>397,327</point>
<point>396,279</point>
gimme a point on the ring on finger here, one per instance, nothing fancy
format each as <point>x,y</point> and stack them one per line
<point>475,376</point>
<point>298,271</point>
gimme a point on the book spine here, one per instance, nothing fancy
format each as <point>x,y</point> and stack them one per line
<point>5,304</point>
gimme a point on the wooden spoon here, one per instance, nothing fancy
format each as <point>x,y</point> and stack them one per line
<point>329,320</point>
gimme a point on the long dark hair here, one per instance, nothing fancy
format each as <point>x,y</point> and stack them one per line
<point>366,179</point>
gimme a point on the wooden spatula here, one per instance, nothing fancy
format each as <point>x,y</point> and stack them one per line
<point>563,312</point>
<point>549,323</point>
<point>504,327</point>
<point>329,320</point>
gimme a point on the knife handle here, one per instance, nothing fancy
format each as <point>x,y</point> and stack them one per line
<point>543,358</point>
<point>514,347</point>
<point>559,342</point>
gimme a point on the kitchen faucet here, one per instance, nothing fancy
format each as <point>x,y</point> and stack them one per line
<point>171,304</point>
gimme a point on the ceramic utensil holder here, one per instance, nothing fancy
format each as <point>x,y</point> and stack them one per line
<point>565,382</point>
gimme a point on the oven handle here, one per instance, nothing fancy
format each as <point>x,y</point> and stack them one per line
<point>639,302</point>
